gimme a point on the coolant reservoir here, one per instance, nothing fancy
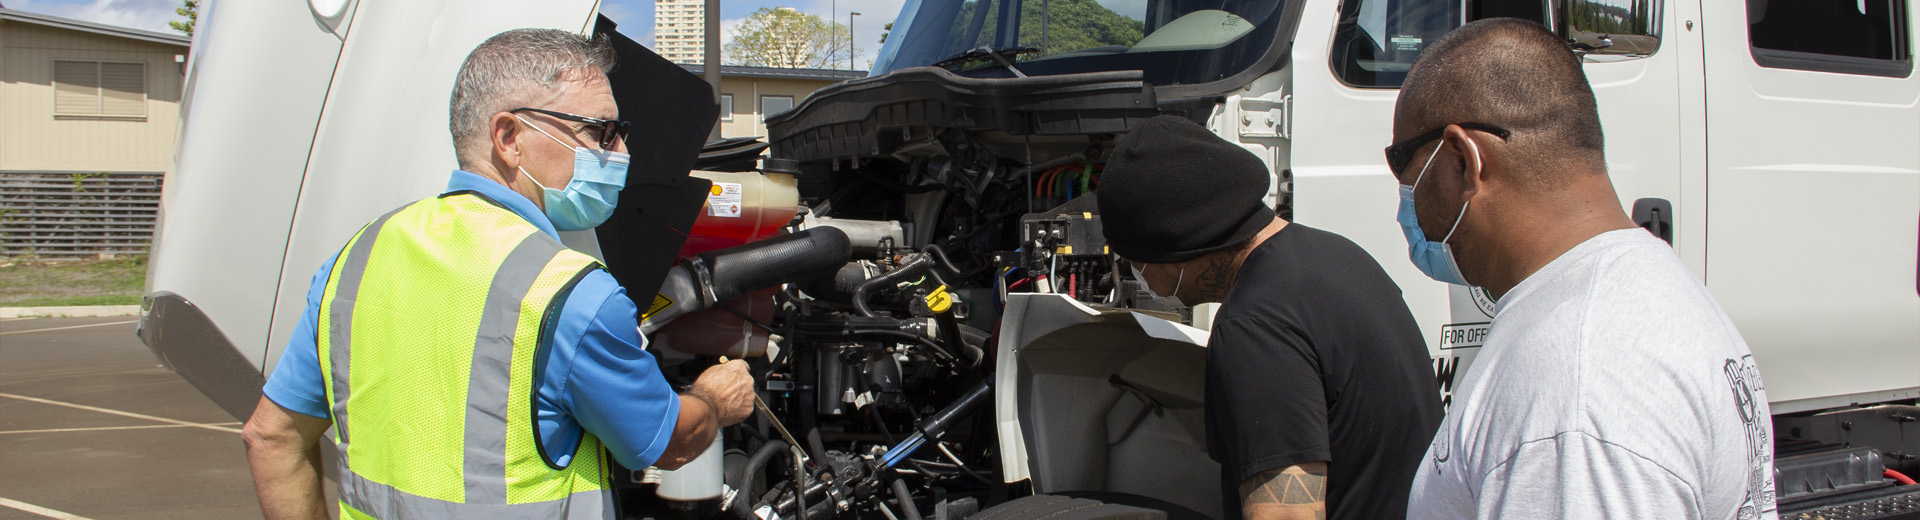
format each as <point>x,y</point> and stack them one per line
<point>742,207</point>
<point>716,332</point>
<point>700,479</point>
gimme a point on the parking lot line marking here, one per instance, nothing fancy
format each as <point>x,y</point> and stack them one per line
<point>109,428</point>
<point>120,413</point>
<point>49,513</point>
<point>72,327</point>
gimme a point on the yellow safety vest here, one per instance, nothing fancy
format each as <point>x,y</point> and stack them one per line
<point>427,335</point>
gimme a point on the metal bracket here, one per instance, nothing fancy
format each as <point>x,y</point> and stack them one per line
<point>1266,117</point>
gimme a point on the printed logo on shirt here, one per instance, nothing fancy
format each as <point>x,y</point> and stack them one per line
<point>1447,367</point>
<point>1480,299</point>
<point>1743,378</point>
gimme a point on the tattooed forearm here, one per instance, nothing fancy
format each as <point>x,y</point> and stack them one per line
<point>1292,492</point>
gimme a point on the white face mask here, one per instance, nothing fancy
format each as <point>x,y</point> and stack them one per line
<point>1149,286</point>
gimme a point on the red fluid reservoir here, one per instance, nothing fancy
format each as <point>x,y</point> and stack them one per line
<point>716,332</point>
<point>742,207</point>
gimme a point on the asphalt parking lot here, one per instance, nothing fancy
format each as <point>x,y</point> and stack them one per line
<point>91,426</point>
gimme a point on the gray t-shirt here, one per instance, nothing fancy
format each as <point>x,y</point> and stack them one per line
<point>1610,386</point>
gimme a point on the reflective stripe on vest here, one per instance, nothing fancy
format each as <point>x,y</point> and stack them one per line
<point>446,300</point>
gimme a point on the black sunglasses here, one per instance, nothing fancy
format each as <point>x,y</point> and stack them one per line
<point>1398,154</point>
<point>610,130</point>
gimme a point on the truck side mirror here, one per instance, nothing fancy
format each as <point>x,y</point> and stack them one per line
<point>1622,28</point>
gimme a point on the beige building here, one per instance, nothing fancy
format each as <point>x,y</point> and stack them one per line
<point>679,30</point>
<point>749,94</point>
<point>84,97</point>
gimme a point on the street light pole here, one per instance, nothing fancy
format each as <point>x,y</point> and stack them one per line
<point>850,15</point>
<point>833,11</point>
<point>710,62</point>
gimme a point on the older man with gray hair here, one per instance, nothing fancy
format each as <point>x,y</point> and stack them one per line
<point>471,365</point>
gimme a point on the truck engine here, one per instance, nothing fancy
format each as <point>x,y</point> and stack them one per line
<point>868,313</point>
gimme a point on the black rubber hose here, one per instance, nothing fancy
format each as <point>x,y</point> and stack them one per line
<point>950,334</point>
<point>940,256</point>
<point>975,354</point>
<point>797,500</point>
<point>918,266</point>
<point>742,504</point>
<point>804,255</point>
<point>908,508</point>
<point>819,447</point>
<point>839,287</point>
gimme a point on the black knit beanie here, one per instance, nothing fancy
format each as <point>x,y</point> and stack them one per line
<point>1172,192</point>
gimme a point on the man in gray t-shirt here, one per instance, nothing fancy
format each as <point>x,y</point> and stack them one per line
<point>1611,385</point>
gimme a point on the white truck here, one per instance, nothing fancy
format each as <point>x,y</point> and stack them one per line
<point>968,350</point>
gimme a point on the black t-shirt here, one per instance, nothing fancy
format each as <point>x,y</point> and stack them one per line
<point>1314,356</point>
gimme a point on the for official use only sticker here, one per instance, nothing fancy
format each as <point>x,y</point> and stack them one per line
<point>724,200</point>
<point>1463,335</point>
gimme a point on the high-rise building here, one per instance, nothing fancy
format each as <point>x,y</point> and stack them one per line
<point>680,30</point>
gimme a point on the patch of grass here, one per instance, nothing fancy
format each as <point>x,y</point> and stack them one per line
<point>35,283</point>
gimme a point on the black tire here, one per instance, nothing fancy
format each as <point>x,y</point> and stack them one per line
<point>1088,505</point>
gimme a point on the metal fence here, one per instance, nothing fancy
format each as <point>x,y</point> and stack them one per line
<point>75,215</point>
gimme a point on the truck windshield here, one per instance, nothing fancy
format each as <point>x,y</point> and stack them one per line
<point>1172,42</point>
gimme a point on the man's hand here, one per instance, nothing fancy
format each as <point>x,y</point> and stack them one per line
<point>284,451</point>
<point>728,388</point>
<point>1292,492</point>
<point>721,397</point>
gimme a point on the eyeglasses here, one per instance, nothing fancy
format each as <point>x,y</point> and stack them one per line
<point>608,129</point>
<point>1398,154</point>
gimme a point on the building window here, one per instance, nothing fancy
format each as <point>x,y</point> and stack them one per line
<point>726,107</point>
<point>770,105</point>
<point>95,88</point>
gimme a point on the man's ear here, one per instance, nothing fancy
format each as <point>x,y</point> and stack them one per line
<point>1473,160</point>
<point>504,132</point>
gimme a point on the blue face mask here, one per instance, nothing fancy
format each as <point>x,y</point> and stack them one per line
<point>587,201</point>
<point>1433,258</point>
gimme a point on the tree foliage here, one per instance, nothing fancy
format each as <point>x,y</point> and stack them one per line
<point>189,9</point>
<point>786,38</point>
<point>1053,26</point>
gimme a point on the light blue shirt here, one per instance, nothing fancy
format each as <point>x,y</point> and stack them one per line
<point>595,374</point>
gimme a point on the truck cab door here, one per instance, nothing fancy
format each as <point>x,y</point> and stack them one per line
<point>1813,187</point>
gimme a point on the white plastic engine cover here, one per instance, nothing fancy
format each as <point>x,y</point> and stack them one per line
<point>1092,399</point>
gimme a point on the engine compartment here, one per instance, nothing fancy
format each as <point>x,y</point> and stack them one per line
<point>875,319</point>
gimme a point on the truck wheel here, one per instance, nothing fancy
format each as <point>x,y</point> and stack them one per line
<point>1088,505</point>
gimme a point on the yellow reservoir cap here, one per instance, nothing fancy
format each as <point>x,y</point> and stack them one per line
<point>939,300</point>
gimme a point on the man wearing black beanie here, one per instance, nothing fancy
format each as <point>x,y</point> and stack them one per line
<point>1320,398</point>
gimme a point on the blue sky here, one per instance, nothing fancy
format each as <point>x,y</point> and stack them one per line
<point>634,16</point>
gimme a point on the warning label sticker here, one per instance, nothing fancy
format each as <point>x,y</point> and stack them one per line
<point>724,200</point>
<point>660,302</point>
<point>1404,42</point>
<point>1463,335</point>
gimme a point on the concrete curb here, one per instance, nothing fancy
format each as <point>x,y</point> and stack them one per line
<point>82,311</point>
